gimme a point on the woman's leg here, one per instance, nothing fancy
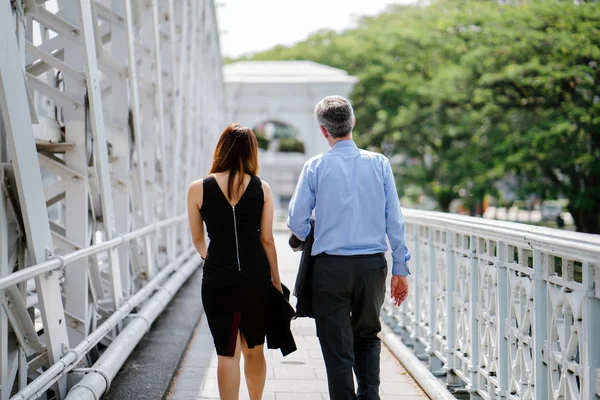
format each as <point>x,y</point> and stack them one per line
<point>228,374</point>
<point>255,368</point>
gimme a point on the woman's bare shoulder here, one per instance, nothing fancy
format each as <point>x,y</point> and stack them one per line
<point>196,186</point>
<point>266,189</point>
<point>265,185</point>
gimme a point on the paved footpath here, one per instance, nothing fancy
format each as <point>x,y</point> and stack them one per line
<point>300,375</point>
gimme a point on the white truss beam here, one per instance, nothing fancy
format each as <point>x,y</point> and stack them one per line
<point>121,95</point>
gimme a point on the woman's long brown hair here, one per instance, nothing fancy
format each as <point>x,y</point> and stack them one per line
<point>236,153</point>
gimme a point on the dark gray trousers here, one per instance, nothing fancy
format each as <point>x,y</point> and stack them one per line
<point>348,293</point>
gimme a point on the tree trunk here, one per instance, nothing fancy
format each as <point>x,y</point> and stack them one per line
<point>444,203</point>
<point>587,220</point>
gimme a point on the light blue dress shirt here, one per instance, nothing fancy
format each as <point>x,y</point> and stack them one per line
<point>354,198</point>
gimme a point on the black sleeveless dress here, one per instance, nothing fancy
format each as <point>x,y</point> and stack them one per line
<point>236,277</point>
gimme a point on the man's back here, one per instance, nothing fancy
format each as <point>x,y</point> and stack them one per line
<point>355,203</point>
<point>350,201</point>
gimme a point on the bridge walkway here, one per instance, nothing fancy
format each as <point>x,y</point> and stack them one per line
<point>300,375</point>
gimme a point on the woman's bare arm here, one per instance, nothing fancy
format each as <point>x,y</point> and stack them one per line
<point>194,203</point>
<point>266,235</point>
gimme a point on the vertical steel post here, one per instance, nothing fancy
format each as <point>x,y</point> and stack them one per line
<point>540,325</point>
<point>474,323</point>
<point>502,301</point>
<point>162,141</point>
<point>134,93</point>
<point>181,99</point>
<point>191,111</point>
<point>22,150</point>
<point>590,359</point>
<point>77,195</point>
<point>119,111</point>
<point>100,144</point>
<point>434,362</point>
<point>451,378</point>
<point>5,389</point>
<point>415,293</point>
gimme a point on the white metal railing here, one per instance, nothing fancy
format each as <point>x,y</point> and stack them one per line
<point>74,355</point>
<point>58,262</point>
<point>511,311</point>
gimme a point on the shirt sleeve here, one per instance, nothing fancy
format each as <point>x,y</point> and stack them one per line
<point>302,205</point>
<point>395,223</point>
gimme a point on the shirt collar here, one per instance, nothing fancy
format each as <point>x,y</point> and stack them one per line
<point>345,144</point>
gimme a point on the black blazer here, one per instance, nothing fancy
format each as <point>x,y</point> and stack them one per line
<point>303,288</point>
<point>281,313</point>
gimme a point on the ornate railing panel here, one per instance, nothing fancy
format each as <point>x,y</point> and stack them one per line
<point>506,310</point>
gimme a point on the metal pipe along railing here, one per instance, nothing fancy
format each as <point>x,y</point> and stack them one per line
<point>73,356</point>
<point>432,386</point>
<point>59,262</point>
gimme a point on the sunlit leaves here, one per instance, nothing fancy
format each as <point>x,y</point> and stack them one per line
<point>473,92</point>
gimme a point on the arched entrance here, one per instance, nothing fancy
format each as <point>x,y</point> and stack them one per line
<point>278,136</point>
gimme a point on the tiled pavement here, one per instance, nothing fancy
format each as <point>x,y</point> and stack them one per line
<point>301,375</point>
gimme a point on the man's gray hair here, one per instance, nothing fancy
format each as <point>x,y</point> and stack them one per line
<point>335,114</point>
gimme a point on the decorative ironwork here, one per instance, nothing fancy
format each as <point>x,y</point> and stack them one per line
<point>516,308</point>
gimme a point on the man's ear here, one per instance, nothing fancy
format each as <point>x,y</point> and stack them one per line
<point>324,132</point>
<point>354,123</point>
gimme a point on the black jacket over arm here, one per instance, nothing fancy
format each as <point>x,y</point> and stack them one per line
<point>303,287</point>
<point>281,313</point>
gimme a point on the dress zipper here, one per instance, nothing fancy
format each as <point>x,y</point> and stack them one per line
<point>237,245</point>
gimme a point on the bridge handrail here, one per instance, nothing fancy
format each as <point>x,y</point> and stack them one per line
<point>60,261</point>
<point>506,310</point>
<point>547,239</point>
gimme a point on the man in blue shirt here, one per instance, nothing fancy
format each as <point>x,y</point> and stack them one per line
<point>353,196</point>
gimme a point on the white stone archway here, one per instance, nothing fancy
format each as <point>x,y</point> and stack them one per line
<point>285,91</point>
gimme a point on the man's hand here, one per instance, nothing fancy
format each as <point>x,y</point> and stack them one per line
<point>399,289</point>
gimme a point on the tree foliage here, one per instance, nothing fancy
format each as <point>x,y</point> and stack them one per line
<point>472,92</point>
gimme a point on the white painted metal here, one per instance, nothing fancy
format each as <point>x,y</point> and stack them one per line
<point>95,383</point>
<point>4,271</point>
<point>432,386</point>
<point>516,306</point>
<point>72,356</point>
<point>94,215</point>
<point>14,105</point>
<point>136,118</point>
<point>162,129</point>
<point>100,144</point>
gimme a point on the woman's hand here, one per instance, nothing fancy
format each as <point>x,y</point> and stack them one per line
<point>278,286</point>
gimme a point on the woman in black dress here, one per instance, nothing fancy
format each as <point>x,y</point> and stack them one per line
<point>240,265</point>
